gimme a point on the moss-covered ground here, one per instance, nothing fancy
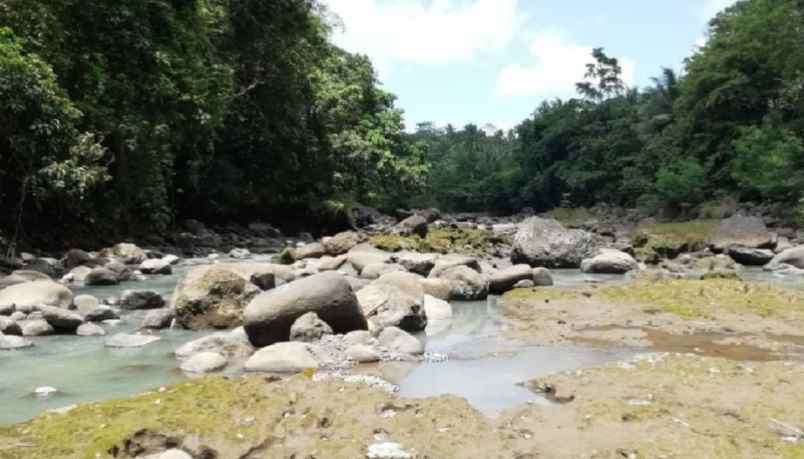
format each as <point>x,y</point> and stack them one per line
<point>476,242</point>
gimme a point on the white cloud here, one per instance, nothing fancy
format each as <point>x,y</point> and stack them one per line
<point>559,64</point>
<point>428,32</point>
<point>711,7</point>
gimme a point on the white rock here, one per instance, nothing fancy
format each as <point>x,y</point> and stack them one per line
<point>204,362</point>
<point>126,340</point>
<point>388,450</point>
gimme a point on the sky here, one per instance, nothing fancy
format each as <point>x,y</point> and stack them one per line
<point>495,61</point>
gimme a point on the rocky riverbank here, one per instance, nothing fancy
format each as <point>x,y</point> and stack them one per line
<point>323,307</point>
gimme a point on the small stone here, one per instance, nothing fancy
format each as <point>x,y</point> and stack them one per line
<point>90,329</point>
<point>45,391</point>
<point>204,362</point>
<point>123,340</point>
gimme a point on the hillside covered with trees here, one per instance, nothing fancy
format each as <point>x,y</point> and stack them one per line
<point>126,118</point>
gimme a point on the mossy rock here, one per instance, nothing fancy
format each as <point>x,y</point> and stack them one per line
<point>443,240</point>
<point>667,240</point>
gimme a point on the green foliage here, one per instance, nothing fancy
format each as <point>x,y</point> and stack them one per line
<point>769,163</point>
<point>681,182</point>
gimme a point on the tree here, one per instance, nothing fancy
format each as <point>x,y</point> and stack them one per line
<point>606,75</point>
<point>41,151</point>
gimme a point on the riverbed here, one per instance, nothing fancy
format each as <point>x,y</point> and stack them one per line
<point>481,365</point>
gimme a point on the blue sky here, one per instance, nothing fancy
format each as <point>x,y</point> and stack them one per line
<point>494,61</point>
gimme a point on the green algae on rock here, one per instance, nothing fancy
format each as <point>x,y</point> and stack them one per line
<point>443,240</point>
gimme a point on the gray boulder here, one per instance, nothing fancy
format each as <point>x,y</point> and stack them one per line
<point>542,277</point>
<point>75,257</point>
<point>9,327</point>
<point>204,362</point>
<point>134,300</point>
<point>362,353</point>
<point>792,257</point>
<point>85,303</point>
<point>36,327</point>
<point>341,242</point>
<point>123,340</point>
<point>413,225</point>
<point>309,328</point>
<point>291,357</point>
<point>101,313</point>
<point>609,261</point>
<point>61,319</point>
<point>270,315</point>
<point>78,274</point>
<point>240,254</point>
<point>90,329</point>
<point>545,242</point>
<point>311,250</point>
<point>419,263</point>
<point>213,297</point>
<point>233,344</point>
<point>9,343</point>
<point>156,266</point>
<point>129,253</point>
<point>447,262</point>
<point>466,284</point>
<point>505,280</point>
<point>740,230</point>
<point>397,340</point>
<point>386,305</point>
<point>42,292</point>
<point>375,270</point>
<point>102,276</point>
<point>747,256</point>
<point>158,319</point>
<point>363,255</point>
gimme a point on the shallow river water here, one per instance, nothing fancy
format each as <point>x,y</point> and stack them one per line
<point>482,366</point>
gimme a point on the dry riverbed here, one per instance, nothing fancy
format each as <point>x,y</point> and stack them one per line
<point>718,317</point>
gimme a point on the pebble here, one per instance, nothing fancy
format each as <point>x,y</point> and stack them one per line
<point>45,391</point>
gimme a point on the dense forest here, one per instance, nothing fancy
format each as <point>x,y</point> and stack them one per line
<point>128,117</point>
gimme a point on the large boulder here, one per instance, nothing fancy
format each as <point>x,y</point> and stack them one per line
<point>740,230</point>
<point>439,315</point>
<point>156,266</point>
<point>233,344</point>
<point>212,297</point>
<point>363,255</point>
<point>398,341</point>
<point>341,242</point>
<point>748,256</point>
<point>292,357</point>
<point>75,257</point>
<point>204,362</point>
<point>309,328</point>
<point>311,250</point>
<point>141,299</point>
<point>43,292</point>
<point>386,305</point>
<point>546,243</point>
<point>542,277</point>
<point>9,327</point>
<point>791,257</point>
<point>102,276</point>
<point>158,319</point>
<point>270,315</point>
<point>375,270</point>
<point>61,319</point>
<point>609,261</point>
<point>129,253</point>
<point>419,263</point>
<point>413,225</point>
<point>90,329</point>
<point>8,343</point>
<point>504,280</point>
<point>36,327</point>
<point>466,284</point>
<point>447,262</point>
